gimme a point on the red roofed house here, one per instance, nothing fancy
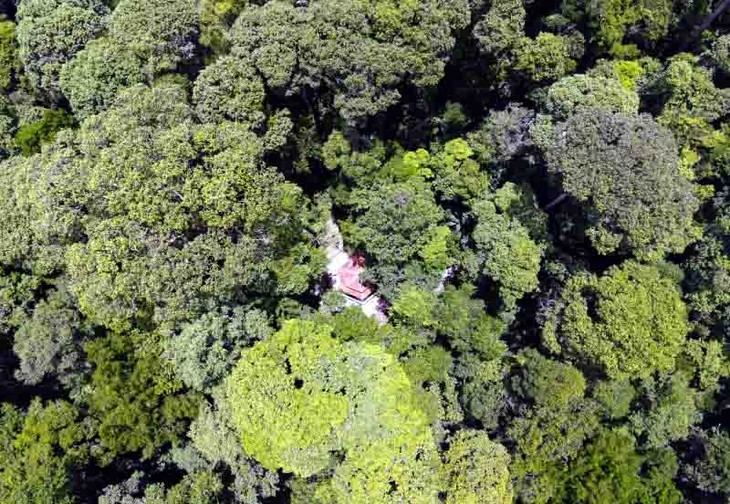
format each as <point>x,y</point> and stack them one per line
<point>345,272</point>
<point>348,280</point>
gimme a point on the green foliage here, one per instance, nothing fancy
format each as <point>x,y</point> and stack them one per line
<point>397,224</point>
<point>609,470</point>
<point>370,48</point>
<point>554,430</point>
<point>482,394</point>
<point>457,176</point>
<point>614,397</point>
<point>7,128</point>
<point>18,293</point>
<point>419,317</point>
<point>581,92</point>
<point>39,449</point>
<point>416,305</point>
<point>8,54</point>
<point>30,137</point>
<point>206,349</point>
<point>154,214</point>
<point>504,249</point>
<point>230,89</point>
<point>172,177</point>
<point>711,472</point>
<point>708,277</point>
<point>463,320</point>
<point>608,21</point>
<point>606,470</point>
<point>124,492</point>
<point>138,403</point>
<point>161,33</point>
<point>97,73</point>
<point>301,395</point>
<point>707,362</point>
<point>628,323</point>
<point>624,170</point>
<point>214,438</point>
<point>503,136</point>
<point>202,487</point>
<point>46,342</point>
<point>500,36</point>
<point>720,52</point>
<point>50,33</point>
<point>634,75</point>
<point>670,410</point>
<point>216,18</point>
<point>691,102</point>
<point>545,58</point>
<point>429,366</point>
<point>476,470</point>
<point>499,33</point>
<point>545,438</point>
<point>548,383</point>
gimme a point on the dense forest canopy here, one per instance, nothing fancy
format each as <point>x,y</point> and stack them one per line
<point>364,251</point>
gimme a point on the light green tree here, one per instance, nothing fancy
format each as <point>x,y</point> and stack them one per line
<point>230,89</point>
<point>206,349</point>
<point>628,323</point>
<point>476,470</point>
<point>39,448</point>
<point>301,396</point>
<point>579,92</point>
<point>162,33</point>
<point>97,73</point>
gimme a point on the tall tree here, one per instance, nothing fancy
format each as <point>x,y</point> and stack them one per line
<point>625,171</point>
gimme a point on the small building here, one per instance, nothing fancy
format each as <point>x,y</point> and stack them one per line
<point>345,270</point>
<point>347,280</point>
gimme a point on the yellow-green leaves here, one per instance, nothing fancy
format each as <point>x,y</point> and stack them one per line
<point>504,246</point>
<point>302,396</point>
<point>628,323</point>
<point>476,470</point>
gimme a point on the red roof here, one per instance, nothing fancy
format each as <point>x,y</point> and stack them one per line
<point>349,276</point>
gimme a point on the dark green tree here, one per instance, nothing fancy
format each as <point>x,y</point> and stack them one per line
<point>711,471</point>
<point>610,470</point>
<point>625,171</point>
<point>137,402</point>
<point>363,52</point>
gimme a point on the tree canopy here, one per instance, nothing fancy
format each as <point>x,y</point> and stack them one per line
<point>364,251</point>
<point>629,322</point>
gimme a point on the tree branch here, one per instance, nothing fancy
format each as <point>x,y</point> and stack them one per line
<point>706,22</point>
